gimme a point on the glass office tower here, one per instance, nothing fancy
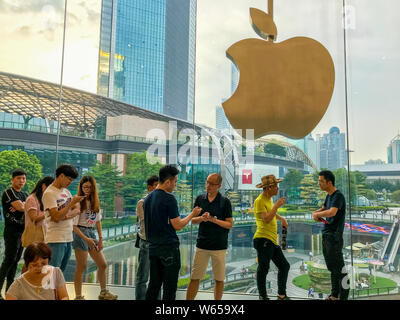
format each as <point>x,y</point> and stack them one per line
<point>152,46</point>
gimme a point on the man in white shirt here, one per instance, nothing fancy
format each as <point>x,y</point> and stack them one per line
<point>60,207</point>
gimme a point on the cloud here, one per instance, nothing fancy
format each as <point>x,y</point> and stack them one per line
<point>23,6</point>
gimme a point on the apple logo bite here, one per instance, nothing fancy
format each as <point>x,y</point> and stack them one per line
<point>284,87</point>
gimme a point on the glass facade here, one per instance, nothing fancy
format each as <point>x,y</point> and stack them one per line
<point>152,43</point>
<point>170,57</point>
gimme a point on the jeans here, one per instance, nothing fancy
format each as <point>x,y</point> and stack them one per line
<point>267,251</point>
<point>143,271</point>
<point>12,255</point>
<point>165,263</point>
<point>60,254</point>
<point>332,244</point>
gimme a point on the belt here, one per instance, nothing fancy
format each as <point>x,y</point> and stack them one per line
<point>84,227</point>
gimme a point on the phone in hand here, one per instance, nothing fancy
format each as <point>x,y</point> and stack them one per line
<point>323,220</point>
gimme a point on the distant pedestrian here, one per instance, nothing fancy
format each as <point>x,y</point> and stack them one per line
<point>13,202</point>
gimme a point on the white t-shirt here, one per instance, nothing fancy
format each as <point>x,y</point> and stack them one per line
<point>87,218</point>
<point>57,231</point>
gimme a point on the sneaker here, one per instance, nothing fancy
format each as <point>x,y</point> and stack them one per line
<point>263,298</point>
<point>283,298</point>
<point>107,295</point>
<point>331,298</point>
<point>80,298</point>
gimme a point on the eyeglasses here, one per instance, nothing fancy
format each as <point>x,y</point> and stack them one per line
<point>212,184</point>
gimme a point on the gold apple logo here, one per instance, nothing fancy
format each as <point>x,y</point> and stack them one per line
<point>284,87</point>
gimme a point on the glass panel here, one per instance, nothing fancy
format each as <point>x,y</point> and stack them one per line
<point>373,94</point>
<point>30,64</point>
<point>297,161</point>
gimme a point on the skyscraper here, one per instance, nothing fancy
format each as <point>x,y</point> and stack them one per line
<point>147,54</point>
<point>393,150</point>
<point>332,150</point>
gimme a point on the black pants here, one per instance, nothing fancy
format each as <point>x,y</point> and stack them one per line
<point>267,251</point>
<point>165,263</point>
<point>12,255</point>
<point>332,244</point>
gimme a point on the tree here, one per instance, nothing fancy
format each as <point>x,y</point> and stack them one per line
<point>342,183</point>
<point>395,196</point>
<point>234,197</point>
<point>380,184</point>
<point>108,182</point>
<point>134,182</point>
<point>276,149</point>
<point>310,191</point>
<point>291,183</point>
<point>183,193</point>
<point>10,160</point>
<point>371,195</point>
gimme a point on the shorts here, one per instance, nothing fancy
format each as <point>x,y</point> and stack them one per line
<point>200,264</point>
<point>78,242</point>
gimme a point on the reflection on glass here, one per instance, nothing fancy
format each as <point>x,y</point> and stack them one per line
<point>130,54</point>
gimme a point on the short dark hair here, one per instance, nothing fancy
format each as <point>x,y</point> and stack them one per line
<point>18,172</point>
<point>68,170</point>
<point>167,172</point>
<point>153,179</point>
<point>36,250</point>
<point>328,175</point>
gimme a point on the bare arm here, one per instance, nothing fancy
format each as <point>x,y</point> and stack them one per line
<point>62,293</point>
<point>59,215</point>
<point>178,223</point>
<point>267,216</point>
<point>227,223</point>
<point>18,205</point>
<point>89,241</point>
<point>35,215</point>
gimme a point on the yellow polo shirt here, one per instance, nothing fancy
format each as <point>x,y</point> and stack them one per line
<point>265,230</point>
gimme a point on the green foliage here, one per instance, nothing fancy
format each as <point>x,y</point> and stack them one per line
<point>108,179</point>
<point>134,182</point>
<point>276,149</point>
<point>291,183</point>
<point>183,193</point>
<point>310,191</point>
<point>395,196</point>
<point>10,160</point>
<point>234,197</point>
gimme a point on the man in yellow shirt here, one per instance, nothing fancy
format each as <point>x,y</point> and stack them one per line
<point>266,237</point>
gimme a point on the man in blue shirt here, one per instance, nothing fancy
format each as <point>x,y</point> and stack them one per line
<point>332,214</point>
<point>162,220</point>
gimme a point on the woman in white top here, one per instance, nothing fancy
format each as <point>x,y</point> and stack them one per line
<point>85,239</point>
<point>41,281</point>
<point>34,206</point>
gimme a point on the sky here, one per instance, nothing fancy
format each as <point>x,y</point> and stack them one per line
<point>31,45</point>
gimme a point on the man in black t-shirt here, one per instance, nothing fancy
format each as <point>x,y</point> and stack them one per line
<point>13,201</point>
<point>332,214</point>
<point>212,241</point>
<point>162,220</point>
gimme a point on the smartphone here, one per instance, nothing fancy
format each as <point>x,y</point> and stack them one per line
<point>323,220</point>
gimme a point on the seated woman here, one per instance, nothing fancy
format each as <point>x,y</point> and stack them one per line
<point>41,281</point>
